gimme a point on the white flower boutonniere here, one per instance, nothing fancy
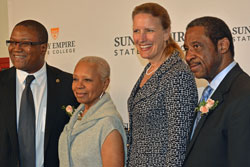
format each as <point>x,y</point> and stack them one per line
<point>205,106</point>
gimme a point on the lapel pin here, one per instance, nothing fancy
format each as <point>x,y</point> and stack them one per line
<point>57,80</point>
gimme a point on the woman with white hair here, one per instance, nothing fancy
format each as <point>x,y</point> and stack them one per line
<point>94,135</point>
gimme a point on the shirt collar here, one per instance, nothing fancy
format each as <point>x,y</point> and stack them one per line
<point>39,75</point>
<point>219,77</point>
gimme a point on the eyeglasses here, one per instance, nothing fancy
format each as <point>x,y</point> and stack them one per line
<point>22,44</point>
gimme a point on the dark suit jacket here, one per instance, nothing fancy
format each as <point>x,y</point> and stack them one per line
<point>59,93</point>
<point>222,137</point>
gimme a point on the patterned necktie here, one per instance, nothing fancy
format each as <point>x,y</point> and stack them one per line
<point>26,127</point>
<point>205,94</point>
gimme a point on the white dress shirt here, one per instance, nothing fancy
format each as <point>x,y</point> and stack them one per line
<point>39,90</point>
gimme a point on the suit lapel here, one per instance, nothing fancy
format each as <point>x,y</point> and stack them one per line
<point>51,100</point>
<point>131,101</point>
<point>148,88</point>
<point>217,95</point>
<point>151,86</point>
<point>138,93</point>
<point>10,86</point>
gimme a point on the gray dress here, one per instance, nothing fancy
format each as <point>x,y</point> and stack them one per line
<point>81,140</point>
<point>160,115</point>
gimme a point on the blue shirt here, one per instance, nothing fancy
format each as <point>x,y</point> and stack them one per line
<point>219,77</point>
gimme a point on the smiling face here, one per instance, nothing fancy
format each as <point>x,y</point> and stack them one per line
<point>87,83</point>
<point>201,55</point>
<point>28,58</point>
<point>149,36</point>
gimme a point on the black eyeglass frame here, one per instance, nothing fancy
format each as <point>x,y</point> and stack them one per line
<point>8,42</point>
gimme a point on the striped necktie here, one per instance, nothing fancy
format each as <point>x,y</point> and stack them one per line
<point>205,94</point>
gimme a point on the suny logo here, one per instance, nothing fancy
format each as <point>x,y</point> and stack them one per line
<point>60,47</point>
<point>54,32</point>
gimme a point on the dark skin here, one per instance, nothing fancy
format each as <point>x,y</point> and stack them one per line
<point>204,60</point>
<point>29,58</point>
<point>87,86</point>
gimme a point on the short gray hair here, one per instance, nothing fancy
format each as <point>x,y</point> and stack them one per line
<point>102,65</point>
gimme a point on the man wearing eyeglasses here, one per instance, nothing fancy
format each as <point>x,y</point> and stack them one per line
<point>51,89</point>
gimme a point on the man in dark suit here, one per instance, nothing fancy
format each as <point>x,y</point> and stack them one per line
<point>221,137</point>
<point>51,89</point>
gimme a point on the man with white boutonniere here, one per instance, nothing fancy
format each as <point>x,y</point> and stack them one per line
<point>95,135</point>
<point>220,134</point>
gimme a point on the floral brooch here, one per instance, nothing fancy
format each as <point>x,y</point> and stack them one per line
<point>70,111</point>
<point>205,106</point>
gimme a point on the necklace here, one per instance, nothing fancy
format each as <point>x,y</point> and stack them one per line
<point>149,73</point>
<point>80,115</point>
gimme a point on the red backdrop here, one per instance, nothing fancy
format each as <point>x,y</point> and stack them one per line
<point>4,63</point>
